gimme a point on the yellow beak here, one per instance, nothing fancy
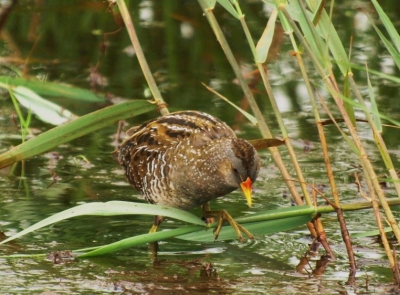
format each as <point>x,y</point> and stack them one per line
<point>246,187</point>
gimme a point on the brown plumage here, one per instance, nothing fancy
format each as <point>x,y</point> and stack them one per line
<point>185,159</point>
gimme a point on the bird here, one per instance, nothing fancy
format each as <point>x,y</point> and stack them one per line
<point>186,159</point>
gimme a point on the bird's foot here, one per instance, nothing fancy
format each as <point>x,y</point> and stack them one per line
<point>223,215</point>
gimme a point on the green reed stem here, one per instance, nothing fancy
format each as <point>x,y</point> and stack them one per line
<point>367,166</point>
<point>265,132</point>
<point>378,138</point>
<point>277,113</point>
<point>141,58</point>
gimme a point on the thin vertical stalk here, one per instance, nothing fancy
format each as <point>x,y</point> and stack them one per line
<point>289,146</point>
<point>275,109</point>
<point>265,132</point>
<point>367,166</point>
<point>384,239</point>
<point>378,138</point>
<point>345,234</point>
<point>141,58</point>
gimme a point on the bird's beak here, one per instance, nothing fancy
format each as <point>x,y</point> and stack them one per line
<point>246,187</point>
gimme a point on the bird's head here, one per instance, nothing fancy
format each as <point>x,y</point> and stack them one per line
<point>241,166</point>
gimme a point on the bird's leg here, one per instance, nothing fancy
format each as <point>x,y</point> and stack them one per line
<point>223,215</point>
<point>205,209</point>
<point>157,221</point>
<point>153,246</point>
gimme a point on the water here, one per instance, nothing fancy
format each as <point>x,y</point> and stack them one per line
<point>182,52</point>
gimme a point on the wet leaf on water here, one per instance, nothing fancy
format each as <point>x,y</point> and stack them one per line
<point>46,110</point>
<point>111,208</point>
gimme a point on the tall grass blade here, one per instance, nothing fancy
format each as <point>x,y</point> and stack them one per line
<point>374,106</point>
<point>348,106</point>
<point>24,123</point>
<point>391,29</point>
<point>379,74</point>
<point>249,117</point>
<point>326,29</point>
<point>393,52</point>
<point>309,32</point>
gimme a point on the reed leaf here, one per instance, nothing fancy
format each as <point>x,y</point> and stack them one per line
<point>249,117</point>
<point>74,129</point>
<point>263,45</point>
<point>348,106</point>
<point>111,208</point>
<point>227,4</point>
<point>256,228</point>
<point>327,31</point>
<point>46,111</point>
<point>137,241</point>
<point>309,32</point>
<point>395,55</point>
<point>379,74</point>
<point>374,106</point>
<point>390,28</point>
<point>268,222</point>
<point>52,89</point>
<point>371,233</point>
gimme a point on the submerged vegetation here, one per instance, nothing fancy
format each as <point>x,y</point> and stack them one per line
<point>335,99</point>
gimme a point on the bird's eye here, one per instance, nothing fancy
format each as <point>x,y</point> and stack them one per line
<point>235,170</point>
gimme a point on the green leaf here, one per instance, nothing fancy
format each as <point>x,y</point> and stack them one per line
<point>265,41</point>
<point>256,228</point>
<point>348,106</point>
<point>287,218</point>
<point>249,117</point>
<point>262,223</point>
<point>138,240</point>
<point>395,55</point>
<point>227,4</point>
<point>393,33</point>
<point>374,106</point>
<point>314,35</point>
<point>292,211</point>
<point>285,23</point>
<point>52,89</point>
<point>379,74</point>
<point>327,30</point>
<point>74,129</point>
<point>310,34</point>
<point>110,209</point>
<point>197,234</point>
<point>47,111</point>
<point>371,233</point>
<point>259,223</point>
